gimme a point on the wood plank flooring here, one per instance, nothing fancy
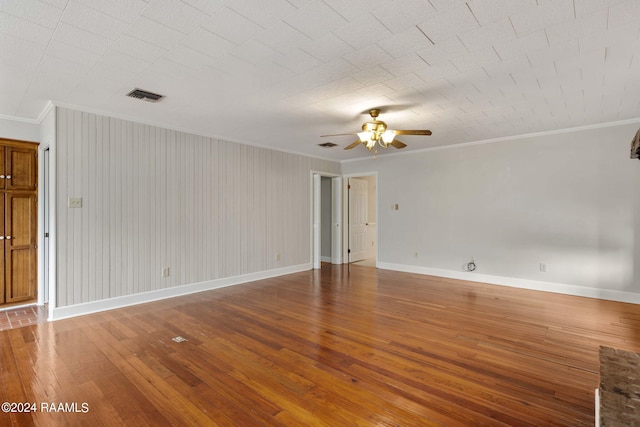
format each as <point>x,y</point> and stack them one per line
<point>342,346</point>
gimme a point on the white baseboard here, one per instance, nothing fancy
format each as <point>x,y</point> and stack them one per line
<point>558,288</point>
<point>128,300</point>
<point>325,258</point>
<point>597,407</point>
<point>19,306</point>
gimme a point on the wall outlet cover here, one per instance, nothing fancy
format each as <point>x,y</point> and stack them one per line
<point>75,202</point>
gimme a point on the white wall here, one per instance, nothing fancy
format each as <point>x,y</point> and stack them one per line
<point>153,198</point>
<point>569,200</point>
<point>18,129</point>
<point>47,128</point>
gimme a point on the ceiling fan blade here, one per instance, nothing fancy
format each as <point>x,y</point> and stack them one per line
<point>338,134</point>
<point>353,145</point>
<point>412,132</point>
<point>398,144</point>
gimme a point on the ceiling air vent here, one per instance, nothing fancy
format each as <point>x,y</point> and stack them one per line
<point>327,145</point>
<point>144,95</point>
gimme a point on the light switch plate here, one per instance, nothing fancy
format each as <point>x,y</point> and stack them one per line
<point>75,202</point>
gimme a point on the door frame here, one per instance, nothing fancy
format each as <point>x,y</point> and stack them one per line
<point>47,287</point>
<point>345,212</point>
<point>336,218</point>
<point>44,199</point>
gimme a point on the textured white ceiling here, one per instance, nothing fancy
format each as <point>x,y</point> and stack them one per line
<point>280,73</point>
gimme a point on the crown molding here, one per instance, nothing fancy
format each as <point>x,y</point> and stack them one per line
<point>186,130</point>
<point>506,138</point>
<point>19,119</point>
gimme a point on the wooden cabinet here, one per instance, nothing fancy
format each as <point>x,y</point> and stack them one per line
<point>18,221</point>
<point>20,168</point>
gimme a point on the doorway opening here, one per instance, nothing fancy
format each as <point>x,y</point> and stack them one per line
<point>326,210</point>
<point>361,211</point>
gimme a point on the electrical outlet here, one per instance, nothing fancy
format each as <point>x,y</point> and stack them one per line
<point>543,267</point>
<point>415,255</point>
<point>277,257</point>
<point>75,202</point>
<point>165,272</point>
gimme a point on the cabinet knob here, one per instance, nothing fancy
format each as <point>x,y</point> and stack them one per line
<point>1,237</point>
<point>8,237</point>
<point>1,176</point>
<point>8,176</point>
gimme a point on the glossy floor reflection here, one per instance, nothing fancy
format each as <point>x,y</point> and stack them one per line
<point>22,316</point>
<point>343,345</point>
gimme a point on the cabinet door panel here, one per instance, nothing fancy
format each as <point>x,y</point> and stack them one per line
<point>21,166</point>
<point>21,219</point>
<point>20,249</point>
<point>20,275</point>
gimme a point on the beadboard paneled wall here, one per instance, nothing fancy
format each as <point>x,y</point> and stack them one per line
<point>155,198</point>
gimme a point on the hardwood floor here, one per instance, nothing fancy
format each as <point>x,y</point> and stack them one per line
<point>340,346</point>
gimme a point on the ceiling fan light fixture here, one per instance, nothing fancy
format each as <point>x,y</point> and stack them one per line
<point>387,137</point>
<point>375,132</point>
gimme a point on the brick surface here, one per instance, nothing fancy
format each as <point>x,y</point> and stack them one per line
<point>619,387</point>
<point>24,316</point>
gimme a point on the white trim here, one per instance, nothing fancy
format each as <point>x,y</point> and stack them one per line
<point>19,119</point>
<point>597,405</point>
<point>316,240</point>
<point>41,221</point>
<point>503,139</point>
<point>336,220</point>
<point>345,212</point>
<point>52,104</point>
<point>36,121</point>
<point>47,108</point>
<point>338,223</point>
<point>558,288</point>
<point>19,306</point>
<point>186,130</point>
<point>141,298</point>
<point>327,259</point>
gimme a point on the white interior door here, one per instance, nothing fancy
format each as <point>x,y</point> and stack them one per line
<point>358,207</point>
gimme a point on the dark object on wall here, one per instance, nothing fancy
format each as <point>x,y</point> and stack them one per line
<point>619,376</point>
<point>635,146</point>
